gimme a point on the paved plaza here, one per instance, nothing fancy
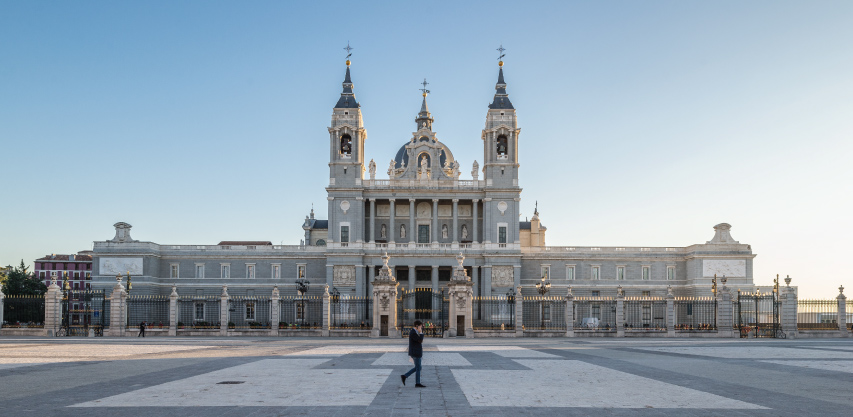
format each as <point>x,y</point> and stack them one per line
<point>323,376</point>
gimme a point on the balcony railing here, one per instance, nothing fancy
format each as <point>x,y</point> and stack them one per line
<point>464,184</point>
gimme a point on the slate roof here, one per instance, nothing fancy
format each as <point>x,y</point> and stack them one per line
<point>67,258</point>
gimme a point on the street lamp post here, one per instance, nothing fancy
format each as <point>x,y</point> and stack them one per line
<point>302,288</point>
<point>543,287</point>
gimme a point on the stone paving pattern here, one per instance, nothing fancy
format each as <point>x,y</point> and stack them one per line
<point>464,377</point>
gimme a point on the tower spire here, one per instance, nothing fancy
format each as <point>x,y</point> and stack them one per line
<point>501,100</point>
<point>347,100</point>
<point>424,118</point>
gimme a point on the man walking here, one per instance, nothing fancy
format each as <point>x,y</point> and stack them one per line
<point>416,351</point>
<point>141,329</point>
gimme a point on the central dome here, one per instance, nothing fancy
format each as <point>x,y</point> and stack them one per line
<point>403,156</point>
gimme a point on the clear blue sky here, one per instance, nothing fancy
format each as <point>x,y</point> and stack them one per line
<point>643,123</point>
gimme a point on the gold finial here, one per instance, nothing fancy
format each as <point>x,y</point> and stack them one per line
<point>500,63</point>
<point>348,62</point>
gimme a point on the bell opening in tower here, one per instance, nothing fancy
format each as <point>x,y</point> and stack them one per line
<point>502,145</point>
<point>346,145</point>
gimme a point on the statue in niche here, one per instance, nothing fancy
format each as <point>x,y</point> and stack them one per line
<point>402,231</point>
<point>475,173</point>
<point>464,231</point>
<point>382,232</point>
<point>372,166</point>
<point>424,163</point>
<point>444,231</point>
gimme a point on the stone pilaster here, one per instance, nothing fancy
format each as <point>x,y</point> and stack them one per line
<point>620,312</point>
<point>519,313</point>
<point>725,312</point>
<point>434,228</point>
<point>275,311</point>
<point>392,232</point>
<point>670,312</point>
<point>385,302</point>
<point>570,313</point>
<point>455,221</point>
<point>118,309</point>
<point>326,315</point>
<point>372,237</point>
<point>474,226</point>
<point>412,228</point>
<point>223,311</point>
<point>2,296</point>
<point>842,312</point>
<point>173,312</point>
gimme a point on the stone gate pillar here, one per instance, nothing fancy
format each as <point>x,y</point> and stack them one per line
<point>223,311</point>
<point>275,311</point>
<point>620,312</point>
<point>173,312</point>
<point>570,313</point>
<point>2,296</point>
<point>461,294</point>
<point>842,312</point>
<point>788,298</point>
<point>118,309</point>
<point>670,312</point>
<point>385,303</point>
<point>326,317</point>
<point>519,313</point>
<point>52,308</point>
<point>725,312</point>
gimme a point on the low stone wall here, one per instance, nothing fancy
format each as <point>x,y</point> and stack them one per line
<point>646,333</point>
<point>821,334</point>
<point>694,334</point>
<point>349,333</point>
<point>593,333</point>
<point>495,333</point>
<point>23,331</point>
<point>544,333</point>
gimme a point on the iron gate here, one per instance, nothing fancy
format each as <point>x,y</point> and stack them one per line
<point>758,315</point>
<point>431,308</point>
<point>83,310</point>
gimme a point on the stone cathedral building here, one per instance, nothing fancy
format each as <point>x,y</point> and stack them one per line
<point>424,213</point>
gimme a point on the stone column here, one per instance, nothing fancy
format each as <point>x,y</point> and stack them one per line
<point>434,228</point>
<point>516,237</point>
<point>372,237</point>
<point>275,311</point>
<point>359,280</point>
<point>455,221</point>
<point>487,281</point>
<point>570,313</point>
<point>725,313</point>
<point>118,309</point>
<point>392,233</point>
<point>670,312</point>
<point>516,275</point>
<point>474,274</point>
<point>474,226</point>
<point>224,298</point>
<point>326,316</point>
<point>2,296</point>
<point>412,230</point>
<point>519,313</point>
<point>842,312</point>
<point>434,286</point>
<point>385,301</point>
<point>173,312</point>
<point>371,274</point>
<point>620,312</point>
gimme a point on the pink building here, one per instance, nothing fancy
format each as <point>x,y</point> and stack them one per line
<point>78,267</point>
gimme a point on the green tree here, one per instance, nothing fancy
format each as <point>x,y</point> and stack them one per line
<point>18,281</point>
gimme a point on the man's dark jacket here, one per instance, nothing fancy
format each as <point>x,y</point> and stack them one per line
<point>416,341</point>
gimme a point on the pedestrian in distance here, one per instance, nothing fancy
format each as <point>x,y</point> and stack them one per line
<point>141,329</point>
<point>416,352</point>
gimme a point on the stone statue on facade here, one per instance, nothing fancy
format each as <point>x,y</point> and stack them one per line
<point>444,231</point>
<point>402,231</point>
<point>475,172</point>
<point>383,232</point>
<point>464,231</point>
<point>391,169</point>
<point>372,166</point>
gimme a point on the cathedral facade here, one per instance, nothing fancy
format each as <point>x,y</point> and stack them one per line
<point>422,215</point>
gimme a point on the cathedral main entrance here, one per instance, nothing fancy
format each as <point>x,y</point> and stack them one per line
<point>423,233</point>
<point>430,308</point>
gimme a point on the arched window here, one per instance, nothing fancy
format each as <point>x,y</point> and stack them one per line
<point>321,242</point>
<point>502,145</point>
<point>346,144</point>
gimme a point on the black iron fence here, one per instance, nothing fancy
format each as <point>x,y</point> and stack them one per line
<point>350,312</point>
<point>23,311</point>
<point>199,312</point>
<point>544,313</point>
<point>594,314</point>
<point>695,314</point>
<point>151,309</point>
<point>817,314</point>
<point>493,313</point>
<point>249,313</point>
<point>645,313</point>
<point>301,312</point>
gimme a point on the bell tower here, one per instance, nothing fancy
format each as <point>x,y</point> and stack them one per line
<point>346,139</point>
<point>500,138</point>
